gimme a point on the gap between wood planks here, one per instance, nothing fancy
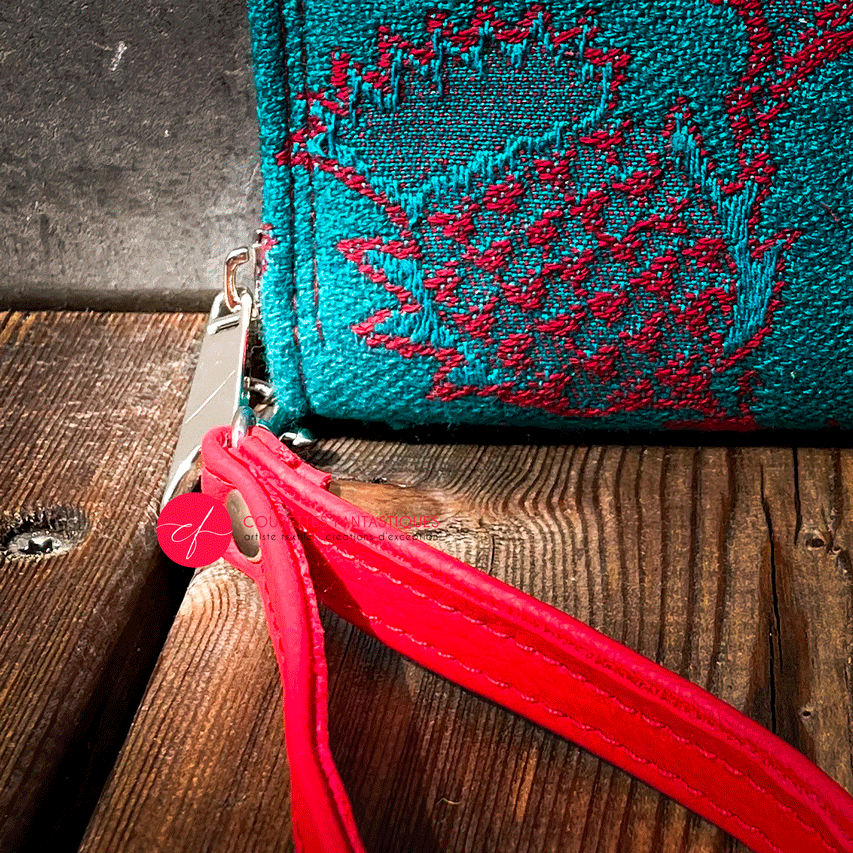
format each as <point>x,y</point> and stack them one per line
<point>90,408</point>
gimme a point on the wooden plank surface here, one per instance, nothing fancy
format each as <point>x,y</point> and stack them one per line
<point>90,406</point>
<point>728,565</point>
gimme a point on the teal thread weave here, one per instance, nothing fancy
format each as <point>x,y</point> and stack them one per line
<point>621,216</point>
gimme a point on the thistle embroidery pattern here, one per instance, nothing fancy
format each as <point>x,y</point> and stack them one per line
<point>548,251</point>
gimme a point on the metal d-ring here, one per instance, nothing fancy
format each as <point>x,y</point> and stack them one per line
<point>235,259</point>
<point>244,420</point>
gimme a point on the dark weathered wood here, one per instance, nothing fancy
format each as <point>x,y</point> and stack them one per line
<point>730,566</point>
<point>89,405</point>
<point>203,765</point>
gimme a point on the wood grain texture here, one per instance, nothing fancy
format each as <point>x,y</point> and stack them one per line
<point>90,408</point>
<point>728,565</point>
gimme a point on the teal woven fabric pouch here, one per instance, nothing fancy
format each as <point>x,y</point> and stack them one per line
<point>630,215</point>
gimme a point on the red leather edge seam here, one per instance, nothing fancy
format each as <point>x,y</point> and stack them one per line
<point>549,667</point>
<point>321,812</point>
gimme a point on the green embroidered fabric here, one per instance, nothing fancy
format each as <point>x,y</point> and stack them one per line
<point>620,215</point>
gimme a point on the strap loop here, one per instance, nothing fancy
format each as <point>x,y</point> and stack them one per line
<point>506,646</point>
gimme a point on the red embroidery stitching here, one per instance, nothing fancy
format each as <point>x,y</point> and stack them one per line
<point>673,284</point>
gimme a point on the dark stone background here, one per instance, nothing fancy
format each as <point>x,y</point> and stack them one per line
<point>125,174</point>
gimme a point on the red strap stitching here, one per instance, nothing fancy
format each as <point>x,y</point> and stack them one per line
<point>601,691</point>
<point>606,664</point>
<point>309,598</point>
<point>532,700</point>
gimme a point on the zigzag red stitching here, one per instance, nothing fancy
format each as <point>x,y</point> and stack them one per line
<point>700,320</point>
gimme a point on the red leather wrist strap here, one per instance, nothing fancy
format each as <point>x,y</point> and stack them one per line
<point>504,645</point>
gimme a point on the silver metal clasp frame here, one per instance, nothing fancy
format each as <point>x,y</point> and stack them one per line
<point>219,393</point>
